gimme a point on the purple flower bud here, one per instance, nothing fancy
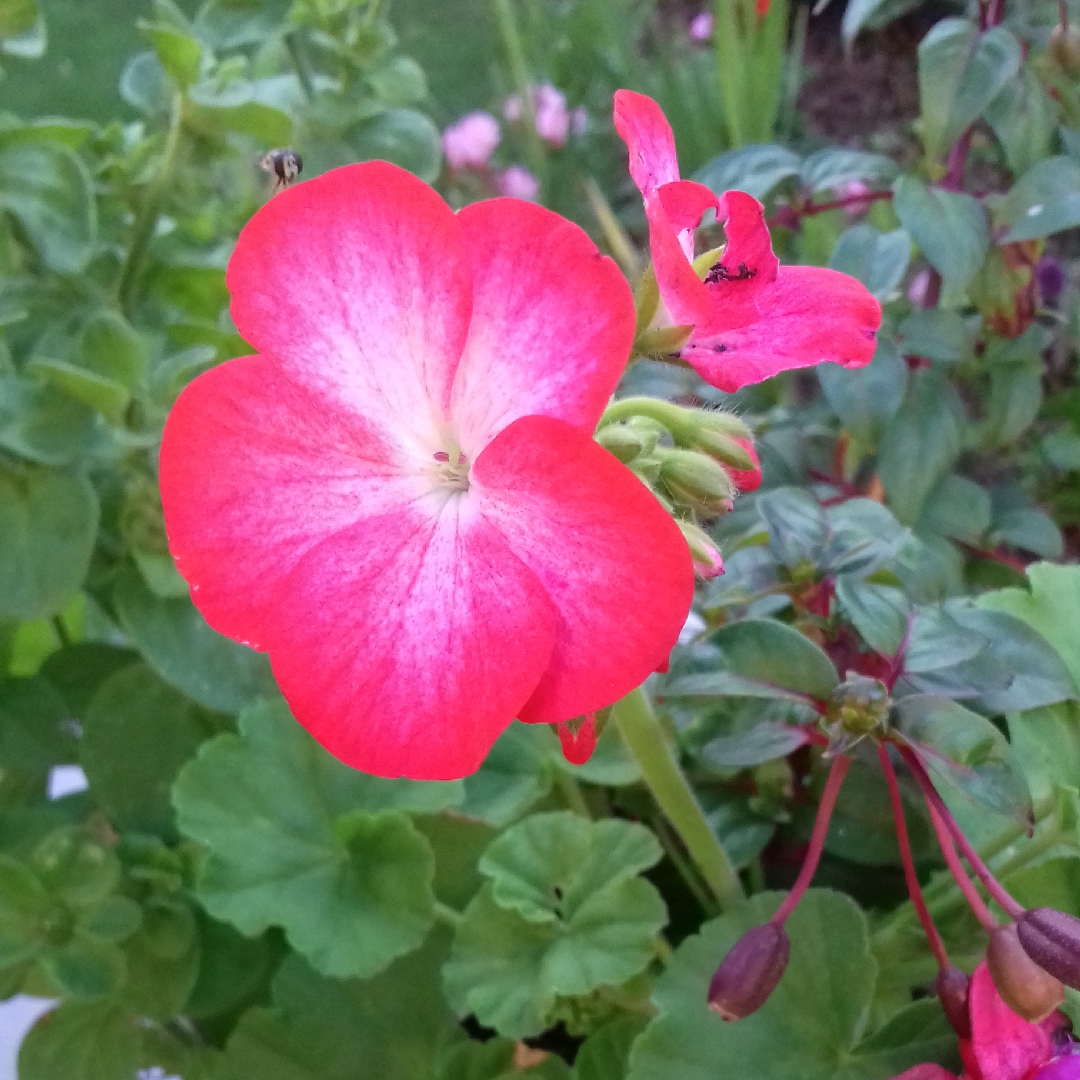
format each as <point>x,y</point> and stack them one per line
<point>750,972</point>
<point>1052,939</point>
<point>701,26</point>
<point>1023,985</point>
<point>518,183</point>
<point>953,987</point>
<point>1050,274</point>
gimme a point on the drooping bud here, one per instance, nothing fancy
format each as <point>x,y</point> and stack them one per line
<point>1065,48</point>
<point>750,972</point>
<point>953,988</point>
<point>622,441</point>
<point>747,479</point>
<point>1029,990</point>
<point>707,561</point>
<point>1052,939</point>
<point>696,481</point>
<point>646,429</point>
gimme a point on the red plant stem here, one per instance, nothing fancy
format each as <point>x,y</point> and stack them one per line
<point>809,209</point>
<point>953,180</point>
<point>982,871</point>
<point>1063,15</point>
<point>937,946</point>
<point>837,773</point>
<point>956,868</point>
<point>896,664</point>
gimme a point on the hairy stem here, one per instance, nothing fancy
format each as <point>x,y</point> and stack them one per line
<point>641,732</point>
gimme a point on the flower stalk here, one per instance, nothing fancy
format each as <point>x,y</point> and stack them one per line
<point>641,731</point>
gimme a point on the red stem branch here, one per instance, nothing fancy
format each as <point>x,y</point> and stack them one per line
<point>837,773</point>
<point>956,868</point>
<point>790,215</point>
<point>937,946</point>
<point>982,871</point>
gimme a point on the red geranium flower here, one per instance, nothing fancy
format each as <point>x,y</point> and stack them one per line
<point>751,317</point>
<point>1005,1047</point>
<point>399,498</point>
<point>746,479</point>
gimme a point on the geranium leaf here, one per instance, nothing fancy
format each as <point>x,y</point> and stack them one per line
<point>549,865</point>
<point>137,733</point>
<point>177,642</point>
<point>510,973</point>
<point>298,840</point>
<point>82,1042</point>
<point>966,751</point>
<point>763,742</point>
<point>48,523</point>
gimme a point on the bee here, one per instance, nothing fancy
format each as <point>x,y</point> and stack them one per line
<point>284,165</point>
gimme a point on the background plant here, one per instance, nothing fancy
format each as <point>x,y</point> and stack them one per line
<point>227,901</point>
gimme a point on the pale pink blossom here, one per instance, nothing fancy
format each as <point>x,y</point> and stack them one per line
<point>471,141</point>
<point>919,289</point>
<point>701,26</point>
<point>579,121</point>
<point>518,183</point>
<point>553,119</point>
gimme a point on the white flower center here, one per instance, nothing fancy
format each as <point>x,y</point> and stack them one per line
<point>451,470</point>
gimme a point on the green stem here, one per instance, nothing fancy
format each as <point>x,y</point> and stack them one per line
<point>444,913</point>
<point>691,878</point>
<point>643,736</point>
<point>519,73</point>
<point>571,792</point>
<point>61,631</point>
<point>147,217</point>
<point>300,63</point>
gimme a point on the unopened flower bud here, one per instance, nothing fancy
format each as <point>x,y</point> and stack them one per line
<point>747,479</point>
<point>953,988</point>
<point>706,556</point>
<point>750,972</point>
<point>663,341</point>
<point>1065,48</point>
<point>1052,939</point>
<point>648,430</point>
<point>622,441</point>
<point>696,481</point>
<point>1029,990</point>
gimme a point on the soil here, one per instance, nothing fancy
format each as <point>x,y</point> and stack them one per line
<point>871,93</point>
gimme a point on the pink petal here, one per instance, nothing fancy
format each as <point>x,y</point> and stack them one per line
<point>407,643</point>
<point>255,470</point>
<point>578,746</point>
<point>642,125</point>
<point>807,316</point>
<point>610,558</point>
<point>926,1072</point>
<point>1063,1068</point>
<point>1005,1046</point>
<point>747,479</point>
<point>358,283</point>
<point>552,325</point>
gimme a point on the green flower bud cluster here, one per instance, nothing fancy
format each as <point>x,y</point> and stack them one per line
<point>858,709</point>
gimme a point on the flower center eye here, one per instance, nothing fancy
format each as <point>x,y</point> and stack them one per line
<point>451,469</point>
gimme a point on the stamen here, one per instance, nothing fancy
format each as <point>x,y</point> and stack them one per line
<point>837,773</point>
<point>441,455</point>
<point>937,946</point>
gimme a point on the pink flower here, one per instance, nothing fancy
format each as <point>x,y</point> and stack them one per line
<point>751,317</point>
<point>517,182</point>
<point>919,289</point>
<point>701,26</point>
<point>1005,1047</point>
<point>471,141</point>
<point>553,119</point>
<point>579,120</point>
<point>400,498</point>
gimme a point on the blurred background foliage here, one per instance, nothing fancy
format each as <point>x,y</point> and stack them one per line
<point>225,901</point>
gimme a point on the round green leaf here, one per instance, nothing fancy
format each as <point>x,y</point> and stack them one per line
<point>85,968</point>
<point>40,422</point>
<point>549,865</point>
<point>879,260</point>
<point>48,523</point>
<point>98,391</point>
<point>966,751</point>
<point>23,905</point>
<point>82,1042</point>
<point>404,137</point>
<point>177,642</point>
<point>762,658</point>
<point>511,973</point>
<point>47,188</point>
<point>137,733</point>
<point>298,840</point>
<point>865,398</point>
<point>828,985</point>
